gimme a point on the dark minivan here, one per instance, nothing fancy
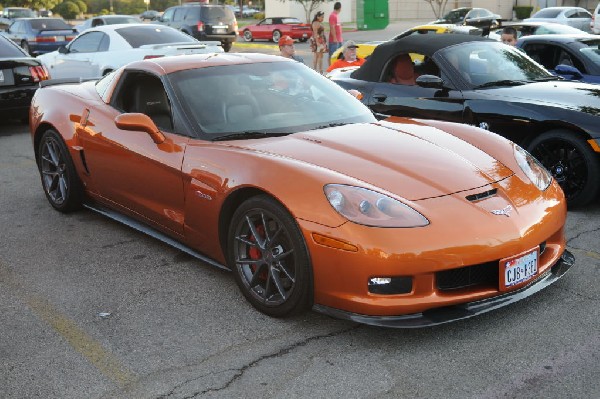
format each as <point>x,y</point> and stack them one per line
<point>204,22</point>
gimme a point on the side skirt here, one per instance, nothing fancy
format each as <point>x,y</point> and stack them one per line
<point>153,233</point>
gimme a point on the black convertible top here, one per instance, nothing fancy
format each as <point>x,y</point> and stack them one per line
<point>422,44</point>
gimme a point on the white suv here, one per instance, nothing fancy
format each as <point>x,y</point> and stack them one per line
<point>595,24</point>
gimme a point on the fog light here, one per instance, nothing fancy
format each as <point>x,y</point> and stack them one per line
<point>390,285</point>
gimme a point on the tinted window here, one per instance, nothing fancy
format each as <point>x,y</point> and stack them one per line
<point>8,50</point>
<point>49,24</point>
<point>121,20</point>
<point>87,43</point>
<point>20,13</point>
<point>215,13</point>
<point>547,13</point>
<point>138,36</point>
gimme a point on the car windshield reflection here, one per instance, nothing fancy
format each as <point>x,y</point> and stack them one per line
<point>278,98</point>
<point>482,65</point>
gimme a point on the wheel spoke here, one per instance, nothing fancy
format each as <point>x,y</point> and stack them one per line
<point>282,255</point>
<point>249,261</point>
<point>62,187</point>
<point>259,240</point>
<point>246,241</point>
<point>287,274</point>
<point>255,280</point>
<point>52,153</point>
<point>277,282</point>
<point>265,225</point>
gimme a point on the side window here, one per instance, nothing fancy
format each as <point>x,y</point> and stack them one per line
<point>168,15</point>
<point>182,13</point>
<point>268,21</point>
<point>542,54</point>
<point>145,93</point>
<point>87,43</point>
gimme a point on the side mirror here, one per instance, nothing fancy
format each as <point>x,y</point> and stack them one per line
<point>63,50</point>
<point>430,82</point>
<point>568,70</point>
<point>140,123</point>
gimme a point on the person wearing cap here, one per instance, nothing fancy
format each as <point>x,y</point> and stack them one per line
<point>335,28</point>
<point>350,57</point>
<point>287,49</point>
<point>318,41</point>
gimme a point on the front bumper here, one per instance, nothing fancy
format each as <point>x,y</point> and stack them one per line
<point>458,312</point>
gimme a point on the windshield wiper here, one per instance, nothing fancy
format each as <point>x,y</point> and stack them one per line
<point>330,125</point>
<point>248,135</point>
<point>547,78</point>
<point>506,82</point>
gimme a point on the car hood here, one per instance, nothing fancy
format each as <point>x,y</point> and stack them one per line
<point>399,160</point>
<point>578,96</point>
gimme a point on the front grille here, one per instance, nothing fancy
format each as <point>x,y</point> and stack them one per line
<point>485,274</point>
<point>481,275</point>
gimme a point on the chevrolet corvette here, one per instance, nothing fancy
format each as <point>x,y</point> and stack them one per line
<point>259,165</point>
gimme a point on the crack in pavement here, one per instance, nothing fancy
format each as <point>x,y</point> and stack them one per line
<point>580,234</point>
<point>240,371</point>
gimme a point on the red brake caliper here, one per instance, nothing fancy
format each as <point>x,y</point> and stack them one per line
<point>254,253</point>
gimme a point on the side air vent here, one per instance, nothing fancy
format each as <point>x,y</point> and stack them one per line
<point>480,196</point>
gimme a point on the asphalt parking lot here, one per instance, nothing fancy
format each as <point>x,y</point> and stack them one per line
<point>94,309</point>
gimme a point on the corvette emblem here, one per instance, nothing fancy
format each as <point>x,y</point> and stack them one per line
<point>504,211</point>
<point>484,125</point>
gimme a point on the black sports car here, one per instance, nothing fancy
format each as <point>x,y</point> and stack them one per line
<point>20,75</point>
<point>479,17</point>
<point>482,82</point>
<point>574,57</point>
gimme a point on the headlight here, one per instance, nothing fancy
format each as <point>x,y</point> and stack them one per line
<point>371,208</point>
<point>535,171</point>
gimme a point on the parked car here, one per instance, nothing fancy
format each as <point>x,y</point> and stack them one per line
<point>40,35</point>
<point>107,20</point>
<point>536,28</point>
<point>574,57</point>
<point>576,17</point>
<point>151,15</point>
<point>595,22</point>
<point>20,76</point>
<point>274,28</point>
<point>365,49</point>
<point>479,17</point>
<point>482,82</point>
<point>200,151</point>
<point>100,50</point>
<point>248,12</point>
<point>204,22</point>
<point>9,14</point>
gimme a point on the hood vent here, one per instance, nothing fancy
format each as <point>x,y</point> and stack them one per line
<point>483,195</point>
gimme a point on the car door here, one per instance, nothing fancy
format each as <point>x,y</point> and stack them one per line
<point>129,168</point>
<point>263,29</point>
<point>412,100</point>
<point>80,58</point>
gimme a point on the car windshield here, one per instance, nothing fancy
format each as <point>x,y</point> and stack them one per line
<point>50,24</point>
<point>121,20</point>
<point>556,29</point>
<point>9,50</point>
<point>483,63</point>
<point>273,98</point>
<point>592,52</point>
<point>456,15</point>
<point>138,36</point>
<point>547,13</point>
<point>19,13</point>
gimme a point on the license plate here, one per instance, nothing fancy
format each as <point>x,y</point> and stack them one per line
<point>304,34</point>
<point>220,30</point>
<point>518,269</point>
<point>1,76</point>
<point>59,38</point>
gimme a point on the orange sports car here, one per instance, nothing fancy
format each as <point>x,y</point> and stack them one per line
<point>258,164</point>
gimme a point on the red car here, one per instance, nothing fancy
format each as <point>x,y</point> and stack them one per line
<point>274,28</point>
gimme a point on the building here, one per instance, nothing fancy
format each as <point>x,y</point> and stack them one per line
<point>417,9</point>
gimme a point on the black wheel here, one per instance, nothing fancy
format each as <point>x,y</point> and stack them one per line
<point>276,36</point>
<point>268,256</point>
<point>59,178</point>
<point>248,36</point>
<point>226,46</point>
<point>572,162</point>
<point>25,46</point>
<point>303,40</point>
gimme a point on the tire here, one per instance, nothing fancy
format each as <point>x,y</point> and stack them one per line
<point>572,162</point>
<point>272,271</point>
<point>248,36</point>
<point>302,40</point>
<point>226,46</point>
<point>25,46</point>
<point>61,184</point>
<point>276,36</point>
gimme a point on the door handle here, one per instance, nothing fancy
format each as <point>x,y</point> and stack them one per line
<point>380,97</point>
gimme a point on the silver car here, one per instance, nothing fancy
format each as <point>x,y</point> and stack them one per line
<point>576,17</point>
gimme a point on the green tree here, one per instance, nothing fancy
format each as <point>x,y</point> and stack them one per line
<point>82,6</point>
<point>68,10</point>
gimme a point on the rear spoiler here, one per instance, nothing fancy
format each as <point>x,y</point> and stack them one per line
<point>62,81</point>
<point>183,44</point>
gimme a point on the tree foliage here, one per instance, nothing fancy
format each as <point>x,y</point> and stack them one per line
<point>310,6</point>
<point>68,10</point>
<point>438,7</point>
